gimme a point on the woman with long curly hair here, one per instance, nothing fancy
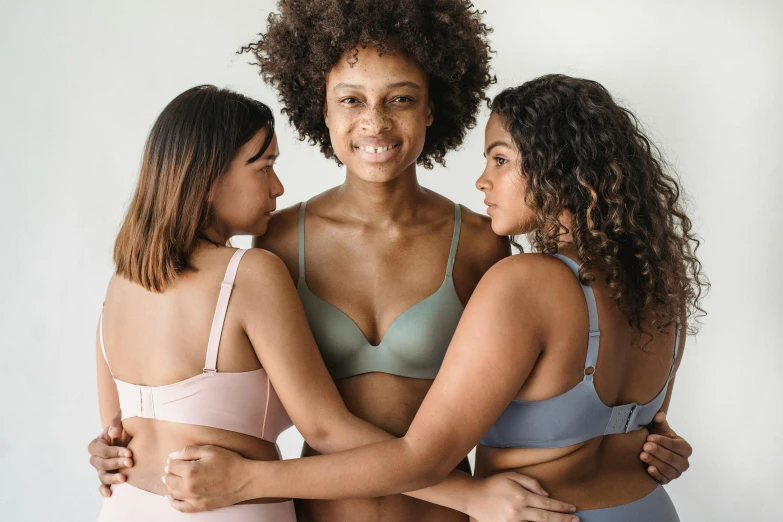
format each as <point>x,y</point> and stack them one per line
<point>383,266</point>
<point>562,355</point>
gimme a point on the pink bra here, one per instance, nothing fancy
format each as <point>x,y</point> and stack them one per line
<point>243,402</point>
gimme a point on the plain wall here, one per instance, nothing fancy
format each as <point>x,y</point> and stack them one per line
<point>82,82</point>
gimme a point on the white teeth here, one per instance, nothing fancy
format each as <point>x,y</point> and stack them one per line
<point>376,150</point>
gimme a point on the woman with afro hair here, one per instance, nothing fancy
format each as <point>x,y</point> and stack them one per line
<point>384,266</point>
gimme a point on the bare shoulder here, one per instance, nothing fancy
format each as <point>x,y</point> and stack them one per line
<point>481,247</point>
<point>260,266</point>
<point>281,238</point>
<point>534,278</point>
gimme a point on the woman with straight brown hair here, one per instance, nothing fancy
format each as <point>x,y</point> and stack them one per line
<point>200,343</point>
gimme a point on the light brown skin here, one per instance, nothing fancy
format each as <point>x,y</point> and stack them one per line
<point>512,342</point>
<point>388,239</point>
<point>160,338</point>
<point>265,327</point>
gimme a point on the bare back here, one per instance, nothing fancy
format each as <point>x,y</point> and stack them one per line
<point>157,339</point>
<point>603,471</point>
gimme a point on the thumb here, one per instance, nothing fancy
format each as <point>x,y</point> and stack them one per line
<point>115,426</point>
<point>192,452</point>
<point>661,424</point>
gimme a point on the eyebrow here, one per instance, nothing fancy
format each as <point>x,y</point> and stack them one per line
<point>264,157</point>
<point>494,144</point>
<point>396,85</point>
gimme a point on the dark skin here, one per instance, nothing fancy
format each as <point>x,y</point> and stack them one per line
<point>377,245</point>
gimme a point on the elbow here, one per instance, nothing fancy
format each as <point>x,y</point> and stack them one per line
<point>318,438</point>
<point>431,466</point>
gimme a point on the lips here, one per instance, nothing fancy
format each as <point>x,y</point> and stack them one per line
<point>375,151</point>
<point>490,206</point>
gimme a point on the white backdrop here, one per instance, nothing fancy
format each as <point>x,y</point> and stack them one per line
<point>82,82</point>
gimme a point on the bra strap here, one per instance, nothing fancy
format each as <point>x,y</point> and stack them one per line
<point>454,239</point>
<point>100,338</point>
<point>594,338</point>
<point>302,207</point>
<point>220,311</point>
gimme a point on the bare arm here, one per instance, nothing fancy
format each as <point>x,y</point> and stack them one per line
<point>666,453</point>
<point>108,454</point>
<point>492,353</point>
<point>276,325</point>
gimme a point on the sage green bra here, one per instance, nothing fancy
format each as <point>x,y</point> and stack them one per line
<point>413,346</point>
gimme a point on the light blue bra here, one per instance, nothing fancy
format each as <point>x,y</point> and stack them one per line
<point>413,346</point>
<point>579,414</point>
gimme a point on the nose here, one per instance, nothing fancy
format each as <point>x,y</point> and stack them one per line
<point>483,183</point>
<point>375,119</point>
<point>276,187</point>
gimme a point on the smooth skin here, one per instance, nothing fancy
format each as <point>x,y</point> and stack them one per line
<point>523,335</point>
<point>376,245</point>
<point>160,338</point>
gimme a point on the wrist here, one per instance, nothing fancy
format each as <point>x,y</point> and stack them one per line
<point>256,484</point>
<point>471,497</point>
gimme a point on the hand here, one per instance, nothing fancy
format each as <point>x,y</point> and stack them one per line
<point>202,478</point>
<point>109,454</point>
<point>665,453</point>
<point>511,497</point>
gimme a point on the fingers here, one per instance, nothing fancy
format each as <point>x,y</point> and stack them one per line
<point>654,473</point>
<point>115,429</point>
<point>182,468</point>
<point>104,490</point>
<point>529,483</point>
<point>674,444</point>
<point>174,483</point>
<point>671,458</point>
<point>549,504</point>
<point>181,505</point>
<point>109,478</point>
<point>191,453</point>
<point>116,464</point>
<point>661,426</point>
<point>661,468</point>
<point>101,449</point>
<point>539,515</point>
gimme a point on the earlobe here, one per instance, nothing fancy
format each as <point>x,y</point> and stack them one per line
<point>430,114</point>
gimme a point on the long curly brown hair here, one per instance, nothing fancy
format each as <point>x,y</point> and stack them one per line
<point>306,38</point>
<point>583,154</point>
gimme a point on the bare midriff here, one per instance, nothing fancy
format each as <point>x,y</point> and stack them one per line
<point>153,441</point>
<point>599,473</point>
<point>389,402</point>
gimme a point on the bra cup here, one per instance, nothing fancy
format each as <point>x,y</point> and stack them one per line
<point>413,346</point>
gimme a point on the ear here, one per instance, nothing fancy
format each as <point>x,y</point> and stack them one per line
<point>326,113</point>
<point>430,113</point>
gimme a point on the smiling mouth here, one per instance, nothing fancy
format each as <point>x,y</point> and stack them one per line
<point>378,150</point>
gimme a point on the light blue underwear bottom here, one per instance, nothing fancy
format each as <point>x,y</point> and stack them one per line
<point>655,507</point>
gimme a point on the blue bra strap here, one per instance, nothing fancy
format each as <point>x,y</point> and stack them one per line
<point>302,207</point>
<point>454,239</point>
<point>592,312</point>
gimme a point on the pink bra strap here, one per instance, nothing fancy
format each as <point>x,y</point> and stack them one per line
<point>220,311</point>
<point>103,348</point>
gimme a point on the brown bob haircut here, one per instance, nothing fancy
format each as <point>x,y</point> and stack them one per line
<point>190,146</point>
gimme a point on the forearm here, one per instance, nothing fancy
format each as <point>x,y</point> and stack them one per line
<point>452,493</point>
<point>375,470</point>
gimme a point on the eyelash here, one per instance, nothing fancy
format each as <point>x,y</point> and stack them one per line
<point>350,100</point>
<point>500,161</point>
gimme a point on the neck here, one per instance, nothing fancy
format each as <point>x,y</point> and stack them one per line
<point>383,202</point>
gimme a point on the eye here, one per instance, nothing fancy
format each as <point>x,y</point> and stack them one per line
<point>500,161</point>
<point>403,99</point>
<point>349,100</point>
